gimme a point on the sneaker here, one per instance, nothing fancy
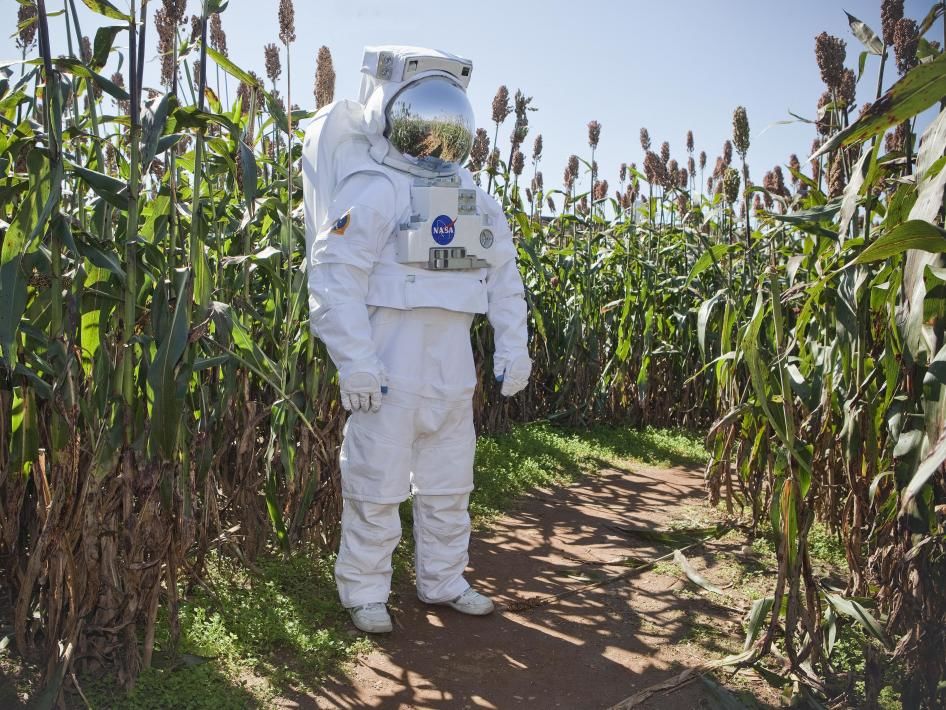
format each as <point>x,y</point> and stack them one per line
<point>371,618</point>
<point>472,602</point>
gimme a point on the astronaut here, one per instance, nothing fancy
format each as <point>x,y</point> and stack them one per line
<point>403,250</point>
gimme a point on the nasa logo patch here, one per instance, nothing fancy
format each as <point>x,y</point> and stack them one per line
<point>341,224</point>
<point>443,230</point>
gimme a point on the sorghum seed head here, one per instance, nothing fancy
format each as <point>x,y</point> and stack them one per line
<point>702,159</point>
<point>848,88</point>
<point>673,172</point>
<point>479,153</point>
<point>727,152</point>
<point>492,163</point>
<point>501,106</point>
<point>622,172</point>
<point>830,53</point>
<point>551,204</point>
<point>26,26</point>
<point>768,200</point>
<point>689,141</point>
<point>594,133</point>
<point>836,176</point>
<point>86,50</point>
<point>166,26</point>
<point>665,152</point>
<point>719,169</point>
<point>529,196</point>
<point>645,139</point>
<point>243,91</point>
<point>757,203</point>
<point>518,162</point>
<point>218,38</point>
<point>537,183</point>
<point>890,13</point>
<point>906,38</point>
<point>600,190</point>
<point>795,166</point>
<point>325,78</point>
<point>683,178</point>
<point>272,63</point>
<point>740,131</point>
<point>653,167</point>
<point>779,180</point>
<point>537,148</point>
<point>195,28</point>
<point>573,165</point>
<point>287,21</point>
<point>691,166</point>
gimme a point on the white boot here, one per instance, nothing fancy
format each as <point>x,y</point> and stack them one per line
<point>371,618</point>
<point>472,602</point>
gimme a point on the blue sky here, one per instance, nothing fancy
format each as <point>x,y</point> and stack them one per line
<point>670,66</point>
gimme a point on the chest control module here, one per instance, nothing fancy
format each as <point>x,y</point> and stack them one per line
<point>446,230</point>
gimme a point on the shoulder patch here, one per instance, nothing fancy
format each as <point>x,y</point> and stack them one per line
<point>341,224</point>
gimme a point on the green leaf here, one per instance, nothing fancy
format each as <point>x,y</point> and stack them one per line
<point>104,7</point>
<point>866,35</point>
<point>162,374</point>
<point>854,610</point>
<point>28,222</point>
<point>102,47</point>
<point>232,69</point>
<point>853,190</point>
<point>709,258</point>
<point>76,67</point>
<point>248,164</point>
<point>757,616</point>
<point>928,466</point>
<point>153,120</point>
<point>913,234</point>
<point>916,91</point>
<point>110,189</point>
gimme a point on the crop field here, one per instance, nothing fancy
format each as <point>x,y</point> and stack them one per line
<point>162,400</point>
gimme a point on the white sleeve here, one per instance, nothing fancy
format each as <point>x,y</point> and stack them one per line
<point>341,255</point>
<point>506,311</point>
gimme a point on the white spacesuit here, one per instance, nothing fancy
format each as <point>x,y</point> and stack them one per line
<point>402,250</point>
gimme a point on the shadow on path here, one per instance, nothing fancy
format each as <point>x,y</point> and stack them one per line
<point>588,650</point>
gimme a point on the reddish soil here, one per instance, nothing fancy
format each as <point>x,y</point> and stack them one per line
<point>587,650</point>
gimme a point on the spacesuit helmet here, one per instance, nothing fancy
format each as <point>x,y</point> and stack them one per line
<point>430,121</point>
<point>417,115</point>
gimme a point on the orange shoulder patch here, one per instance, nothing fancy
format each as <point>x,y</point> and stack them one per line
<point>341,224</point>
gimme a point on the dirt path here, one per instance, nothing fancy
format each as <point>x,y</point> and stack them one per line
<point>589,650</point>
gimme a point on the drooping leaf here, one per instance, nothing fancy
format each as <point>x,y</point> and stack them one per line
<point>162,374</point>
<point>693,575</point>
<point>104,7</point>
<point>916,91</point>
<point>928,466</point>
<point>232,69</point>
<point>866,35</point>
<point>102,47</point>
<point>76,67</point>
<point>913,234</point>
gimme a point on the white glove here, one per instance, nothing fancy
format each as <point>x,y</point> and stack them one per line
<point>361,391</point>
<point>516,376</point>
